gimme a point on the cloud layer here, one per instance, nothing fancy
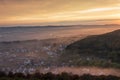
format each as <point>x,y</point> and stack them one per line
<point>51,11</point>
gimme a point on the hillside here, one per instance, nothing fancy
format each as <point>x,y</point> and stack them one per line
<point>98,50</point>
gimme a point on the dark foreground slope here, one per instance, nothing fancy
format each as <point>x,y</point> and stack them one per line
<point>50,76</point>
<point>98,50</point>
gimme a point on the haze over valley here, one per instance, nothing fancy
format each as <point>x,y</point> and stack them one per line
<point>27,49</point>
<point>49,32</point>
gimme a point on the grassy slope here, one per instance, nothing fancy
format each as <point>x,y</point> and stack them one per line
<point>98,50</point>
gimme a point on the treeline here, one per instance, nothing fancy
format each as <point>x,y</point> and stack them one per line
<point>50,76</point>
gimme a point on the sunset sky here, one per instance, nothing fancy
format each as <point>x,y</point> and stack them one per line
<point>52,12</point>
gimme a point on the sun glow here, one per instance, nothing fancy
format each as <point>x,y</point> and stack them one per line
<point>100,9</point>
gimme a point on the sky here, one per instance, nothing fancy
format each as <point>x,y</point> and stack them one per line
<point>59,12</point>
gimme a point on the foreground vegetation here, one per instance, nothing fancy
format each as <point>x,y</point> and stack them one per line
<point>50,76</point>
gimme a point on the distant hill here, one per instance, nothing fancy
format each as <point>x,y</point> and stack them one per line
<point>98,50</point>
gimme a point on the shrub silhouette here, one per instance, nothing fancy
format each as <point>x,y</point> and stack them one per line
<point>50,76</point>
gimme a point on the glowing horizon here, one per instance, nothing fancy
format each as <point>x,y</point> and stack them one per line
<point>38,12</point>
